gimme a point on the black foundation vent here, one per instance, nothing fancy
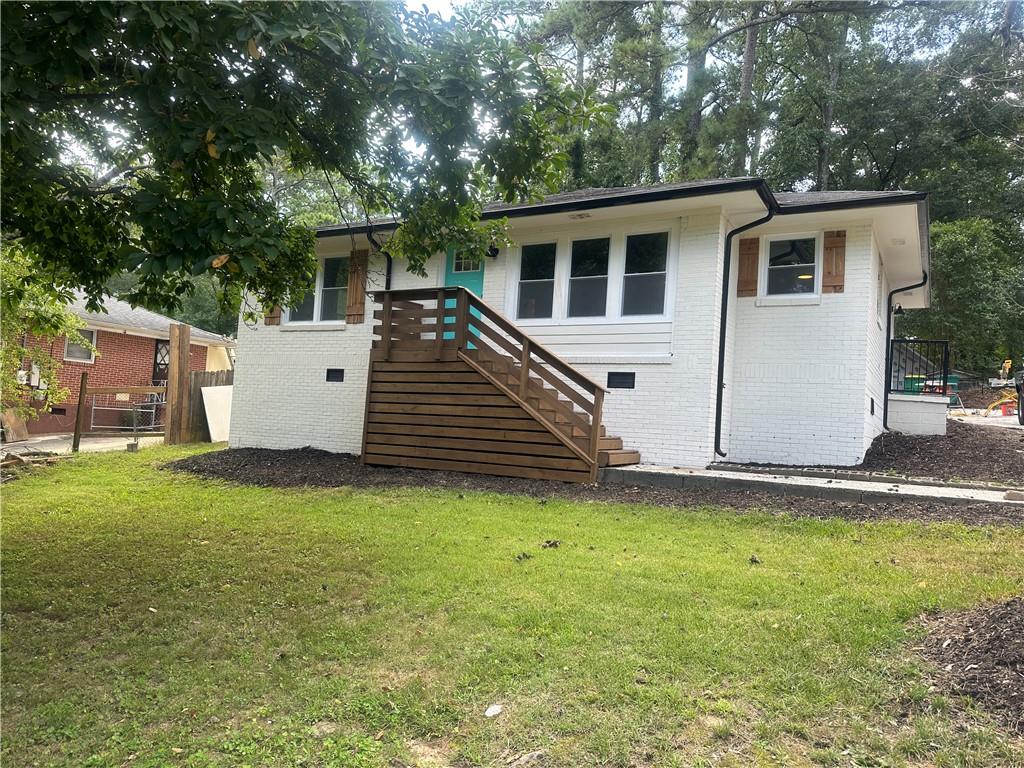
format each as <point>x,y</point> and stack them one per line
<point>621,380</point>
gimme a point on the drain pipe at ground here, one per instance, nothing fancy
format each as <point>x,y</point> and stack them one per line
<point>888,344</point>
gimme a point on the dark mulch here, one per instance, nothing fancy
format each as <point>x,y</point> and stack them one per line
<point>320,469</point>
<point>981,654</point>
<point>979,397</point>
<point>965,452</point>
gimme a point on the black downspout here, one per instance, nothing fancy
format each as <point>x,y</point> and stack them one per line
<point>726,267</point>
<point>388,262</point>
<point>888,344</point>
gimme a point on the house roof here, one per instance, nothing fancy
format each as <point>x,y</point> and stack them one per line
<point>122,316</point>
<point>604,197</point>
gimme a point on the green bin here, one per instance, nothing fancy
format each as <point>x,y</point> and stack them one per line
<point>913,383</point>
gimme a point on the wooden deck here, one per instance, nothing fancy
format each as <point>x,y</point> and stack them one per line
<point>453,385</point>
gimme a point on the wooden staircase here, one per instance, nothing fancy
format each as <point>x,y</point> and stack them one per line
<point>455,385</point>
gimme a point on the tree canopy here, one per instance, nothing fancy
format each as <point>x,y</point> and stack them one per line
<point>137,135</point>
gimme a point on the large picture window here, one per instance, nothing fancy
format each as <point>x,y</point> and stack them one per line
<point>643,286</point>
<point>537,281</point>
<point>792,266</point>
<point>328,300</point>
<point>588,278</point>
<point>79,352</point>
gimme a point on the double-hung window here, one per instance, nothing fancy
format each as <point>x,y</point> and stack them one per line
<point>537,281</point>
<point>79,352</point>
<point>588,277</point>
<point>328,300</point>
<point>792,266</point>
<point>643,284</point>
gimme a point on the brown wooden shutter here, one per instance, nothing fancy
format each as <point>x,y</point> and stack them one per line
<point>355,311</point>
<point>272,317</point>
<point>833,274</point>
<point>746,276</point>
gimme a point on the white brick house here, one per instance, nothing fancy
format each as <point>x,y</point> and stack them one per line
<point>626,285</point>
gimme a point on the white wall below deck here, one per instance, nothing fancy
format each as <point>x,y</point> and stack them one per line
<point>918,414</point>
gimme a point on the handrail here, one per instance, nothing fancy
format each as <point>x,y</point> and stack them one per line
<point>470,330</point>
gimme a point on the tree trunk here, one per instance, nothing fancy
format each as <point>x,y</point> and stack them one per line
<point>698,31</point>
<point>577,157</point>
<point>656,95</point>
<point>834,59</point>
<point>744,109</point>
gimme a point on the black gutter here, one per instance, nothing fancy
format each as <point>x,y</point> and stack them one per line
<point>858,202</point>
<point>726,269</point>
<point>888,344</point>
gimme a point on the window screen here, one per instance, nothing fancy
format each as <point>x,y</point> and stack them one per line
<point>79,352</point>
<point>643,286</point>
<point>334,290</point>
<point>588,278</point>
<point>791,266</point>
<point>537,281</point>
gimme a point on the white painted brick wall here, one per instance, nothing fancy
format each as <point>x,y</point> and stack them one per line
<point>799,373</point>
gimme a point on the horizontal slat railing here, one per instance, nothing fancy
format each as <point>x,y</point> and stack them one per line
<point>454,324</point>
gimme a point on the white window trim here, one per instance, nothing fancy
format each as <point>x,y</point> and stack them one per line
<point>477,265</point>
<point>92,354</point>
<point>563,240</point>
<point>517,281</point>
<point>789,299</point>
<point>316,325</point>
<point>609,291</point>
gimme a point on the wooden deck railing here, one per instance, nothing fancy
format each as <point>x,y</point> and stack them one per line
<point>455,324</point>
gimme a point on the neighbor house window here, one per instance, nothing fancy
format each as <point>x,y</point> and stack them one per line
<point>77,352</point>
<point>328,300</point>
<point>537,281</point>
<point>643,285</point>
<point>588,278</point>
<point>792,265</point>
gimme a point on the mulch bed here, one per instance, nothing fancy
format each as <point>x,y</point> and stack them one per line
<point>980,397</point>
<point>965,452</point>
<point>980,654</point>
<point>307,467</point>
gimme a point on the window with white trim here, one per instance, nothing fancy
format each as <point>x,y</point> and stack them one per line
<point>792,266</point>
<point>80,353</point>
<point>588,277</point>
<point>328,300</point>
<point>643,284</point>
<point>537,281</point>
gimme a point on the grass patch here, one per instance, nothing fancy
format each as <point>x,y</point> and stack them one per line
<point>157,619</point>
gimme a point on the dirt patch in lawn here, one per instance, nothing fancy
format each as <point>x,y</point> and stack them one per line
<point>980,654</point>
<point>965,452</point>
<point>307,467</point>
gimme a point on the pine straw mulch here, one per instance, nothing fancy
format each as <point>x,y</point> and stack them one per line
<point>980,653</point>
<point>311,468</point>
<point>965,452</point>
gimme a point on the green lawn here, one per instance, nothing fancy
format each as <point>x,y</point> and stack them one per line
<point>152,619</point>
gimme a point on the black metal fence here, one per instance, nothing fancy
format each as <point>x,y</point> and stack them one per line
<point>919,366</point>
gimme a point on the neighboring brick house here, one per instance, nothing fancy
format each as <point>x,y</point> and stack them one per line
<point>638,289</point>
<point>131,350</point>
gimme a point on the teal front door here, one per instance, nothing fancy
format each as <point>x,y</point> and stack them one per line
<point>460,271</point>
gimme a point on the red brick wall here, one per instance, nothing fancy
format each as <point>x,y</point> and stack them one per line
<point>121,360</point>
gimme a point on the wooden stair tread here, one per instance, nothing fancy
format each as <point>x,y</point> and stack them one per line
<point>617,458</point>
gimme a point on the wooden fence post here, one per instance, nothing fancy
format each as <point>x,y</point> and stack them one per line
<point>83,389</point>
<point>177,430</point>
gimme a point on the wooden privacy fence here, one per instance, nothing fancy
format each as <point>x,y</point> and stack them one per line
<point>471,390</point>
<point>197,429</point>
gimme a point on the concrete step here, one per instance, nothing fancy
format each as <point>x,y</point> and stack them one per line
<point>617,458</point>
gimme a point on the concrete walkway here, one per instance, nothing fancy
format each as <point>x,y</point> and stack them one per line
<point>793,485</point>
<point>61,444</point>
<point>992,420</point>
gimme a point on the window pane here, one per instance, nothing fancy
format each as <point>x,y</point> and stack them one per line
<point>538,262</point>
<point>587,296</point>
<point>589,258</point>
<point>643,294</point>
<point>333,302</point>
<point>303,312</point>
<point>464,262</point>
<point>335,273</point>
<point>536,299</point>
<point>75,351</point>
<point>797,279</point>
<point>788,252</point>
<point>646,253</point>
